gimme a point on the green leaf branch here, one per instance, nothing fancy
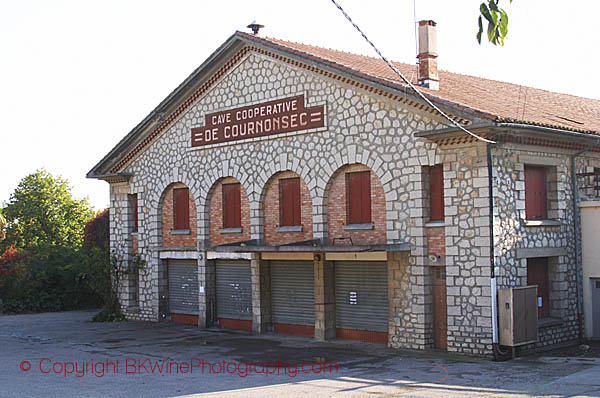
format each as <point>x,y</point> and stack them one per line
<point>497,22</point>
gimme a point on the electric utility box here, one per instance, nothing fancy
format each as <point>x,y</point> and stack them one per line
<point>518,316</point>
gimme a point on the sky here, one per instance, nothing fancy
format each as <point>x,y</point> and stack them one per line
<point>77,75</point>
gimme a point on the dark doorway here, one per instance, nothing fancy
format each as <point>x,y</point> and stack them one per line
<point>440,314</point>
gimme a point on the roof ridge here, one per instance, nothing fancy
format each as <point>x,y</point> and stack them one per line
<point>284,42</point>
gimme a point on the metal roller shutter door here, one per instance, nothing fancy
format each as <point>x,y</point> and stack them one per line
<point>361,298</point>
<point>183,287</point>
<point>293,292</point>
<point>234,289</point>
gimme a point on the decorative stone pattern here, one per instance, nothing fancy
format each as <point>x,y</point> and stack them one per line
<point>216,216</point>
<point>337,215</point>
<point>272,213</point>
<point>364,132</point>
<point>169,239</point>
<point>362,128</point>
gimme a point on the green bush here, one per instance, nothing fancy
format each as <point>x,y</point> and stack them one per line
<point>51,279</point>
<point>43,266</point>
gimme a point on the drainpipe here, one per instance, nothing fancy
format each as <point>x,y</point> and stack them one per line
<point>577,228</point>
<point>498,354</point>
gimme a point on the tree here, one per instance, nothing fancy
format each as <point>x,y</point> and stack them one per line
<point>42,265</point>
<point>497,22</point>
<point>2,226</point>
<point>42,212</point>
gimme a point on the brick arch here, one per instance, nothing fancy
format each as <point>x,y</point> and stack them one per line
<point>284,163</point>
<point>335,208</point>
<point>269,211</point>
<point>165,222</point>
<point>156,200</point>
<point>353,156</point>
<point>212,214</point>
<point>211,180</point>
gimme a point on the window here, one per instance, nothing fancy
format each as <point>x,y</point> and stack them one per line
<point>436,193</point>
<point>537,274</point>
<point>232,210</point>
<point>133,211</point>
<point>535,193</point>
<point>358,193</point>
<point>181,208</point>
<point>289,202</point>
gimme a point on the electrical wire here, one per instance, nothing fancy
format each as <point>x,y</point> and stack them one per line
<point>406,80</point>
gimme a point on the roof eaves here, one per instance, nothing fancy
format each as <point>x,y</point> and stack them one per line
<point>556,130</point>
<point>507,121</point>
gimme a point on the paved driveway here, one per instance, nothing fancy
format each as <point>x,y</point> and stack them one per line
<point>65,355</point>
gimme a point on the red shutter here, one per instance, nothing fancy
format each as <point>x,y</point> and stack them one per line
<point>365,208</point>
<point>135,212</point>
<point>358,189</point>
<point>353,199</point>
<point>289,202</point>
<point>232,210</point>
<point>535,193</point>
<point>436,193</point>
<point>181,208</point>
<point>296,205</point>
<point>537,274</point>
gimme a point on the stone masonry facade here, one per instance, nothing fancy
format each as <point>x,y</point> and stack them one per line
<point>517,240</point>
<point>364,132</point>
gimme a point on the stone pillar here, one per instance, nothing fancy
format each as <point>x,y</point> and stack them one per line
<point>120,238</point>
<point>403,330</point>
<point>261,293</point>
<point>207,295</point>
<point>324,298</point>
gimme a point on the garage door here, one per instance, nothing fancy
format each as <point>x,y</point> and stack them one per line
<point>293,297</point>
<point>234,294</point>
<point>361,301</point>
<point>183,291</point>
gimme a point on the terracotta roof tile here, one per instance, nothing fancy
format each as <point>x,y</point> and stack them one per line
<point>501,101</point>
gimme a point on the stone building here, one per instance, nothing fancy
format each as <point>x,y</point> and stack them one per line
<point>290,188</point>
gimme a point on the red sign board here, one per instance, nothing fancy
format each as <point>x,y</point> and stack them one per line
<point>269,118</point>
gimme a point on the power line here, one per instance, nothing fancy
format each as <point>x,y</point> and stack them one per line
<point>406,80</point>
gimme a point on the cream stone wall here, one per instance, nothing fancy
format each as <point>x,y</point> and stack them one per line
<point>516,240</point>
<point>377,132</point>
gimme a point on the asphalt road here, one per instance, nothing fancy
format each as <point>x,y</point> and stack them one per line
<point>66,355</point>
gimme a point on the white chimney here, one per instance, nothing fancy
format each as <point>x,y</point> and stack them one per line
<point>428,70</point>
